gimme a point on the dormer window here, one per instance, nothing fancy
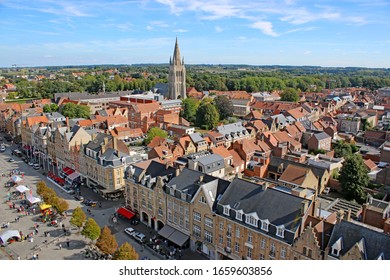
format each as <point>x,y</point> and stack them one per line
<point>183,196</point>
<point>264,225</point>
<point>336,247</point>
<point>249,219</point>
<point>280,231</point>
<point>226,210</point>
<point>172,191</point>
<point>239,215</point>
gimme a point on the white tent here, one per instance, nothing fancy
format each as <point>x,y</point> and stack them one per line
<point>22,189</point>
<point>9,234</point>
<point>33,199</point>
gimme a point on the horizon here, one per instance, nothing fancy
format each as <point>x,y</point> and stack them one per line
<point>328,34</point>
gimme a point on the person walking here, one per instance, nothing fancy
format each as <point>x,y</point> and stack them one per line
<point>60,246</point>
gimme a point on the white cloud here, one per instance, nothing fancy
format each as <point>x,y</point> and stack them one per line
<point>218,29</point>
<point>180,30</point>
<point>149,28</point>
<point>307,52</point>
<point>265,27</point>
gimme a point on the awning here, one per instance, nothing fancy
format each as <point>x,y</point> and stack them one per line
<point>5,236</point>
<point>73,176</point>
<point>166,231</point>
<point>173,235</point>
<point>22,189</point>
<point>125,213</point>
<point>33,199</point>
<point>44,206</point>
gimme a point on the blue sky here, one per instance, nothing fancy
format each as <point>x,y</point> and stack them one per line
<point>257,32</point>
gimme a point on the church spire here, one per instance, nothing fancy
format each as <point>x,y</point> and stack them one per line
<point>176,54</point>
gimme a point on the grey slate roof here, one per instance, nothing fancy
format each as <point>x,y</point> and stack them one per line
<point>231,128</point>
<point>276,161</point>
<point>196,137</point>
<point>212,162</point>
<point>188,181</point>
<point>321,136</point>
<point>376,242</point>
<point>96,143</point>
<point>278,207</point>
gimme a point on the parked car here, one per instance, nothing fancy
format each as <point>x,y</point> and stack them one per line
<point>11,160</point>
<point>36,166</point>
<point>2,148</point>
<point>130,231</point>
<point>79,197</point>
<point>31,163</point>
<point>140,237</point>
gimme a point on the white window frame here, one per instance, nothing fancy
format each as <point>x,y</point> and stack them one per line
<point>280,231</point>
<point>237,247</point>
<point>239,215</point>
<point>265,225</point>
<point>208,222</point>
<point>250,220</point>
<point>208,236</point>
<point>196,230</point>
<point>283,253</point>
<point>197,216</point>
<point>262,243</point>
<point>226,210</point>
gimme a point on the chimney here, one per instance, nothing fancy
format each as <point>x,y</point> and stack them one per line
<point>177,172</point>
<point>114,143</point>
<point>304,206</point>
<point>201,177</point>
<point>340,216</point>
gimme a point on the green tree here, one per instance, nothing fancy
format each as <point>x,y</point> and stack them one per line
<point>91,229</point>
<point>78,217</point>
<point>72,110</point>
<point>207,115</point>
<point>354,178</point>
<point>290,94</point>
<point>61,205</point>
<point>224,106</point>
<point>54,107</point>
<point>366,125</point>
<point>83,111</point>
<point>189,106</point>
<point>107,242</point>
<point>153,132</point>
<point>46,108</point>
<point>342,149</point>
<point>126,252</point>
<point>41,187</point>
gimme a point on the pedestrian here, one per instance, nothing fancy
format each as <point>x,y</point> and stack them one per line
<point>37,256</point>
<point>36,231</point>
<point>68,244</point>
<point>60,246</point>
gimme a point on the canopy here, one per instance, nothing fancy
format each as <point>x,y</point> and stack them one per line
<point>33,199</point>
<point>22,189</point>
<point>5,236</point>
<point>68,170</point>
<point>173,235</point>
<point>44,206</point>
<point>16,178</point>
<point>73,176</point>
<point>125,213</point>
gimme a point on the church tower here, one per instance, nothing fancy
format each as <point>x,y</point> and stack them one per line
<point>177,75</point>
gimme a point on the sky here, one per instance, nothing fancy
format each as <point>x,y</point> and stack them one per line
<point>345,33</point>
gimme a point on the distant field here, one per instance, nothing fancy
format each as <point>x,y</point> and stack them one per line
<point>18,100</point>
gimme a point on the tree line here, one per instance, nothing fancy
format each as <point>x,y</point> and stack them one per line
<point>203,78</point>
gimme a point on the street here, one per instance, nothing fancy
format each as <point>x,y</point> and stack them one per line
<point>49,247</point>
